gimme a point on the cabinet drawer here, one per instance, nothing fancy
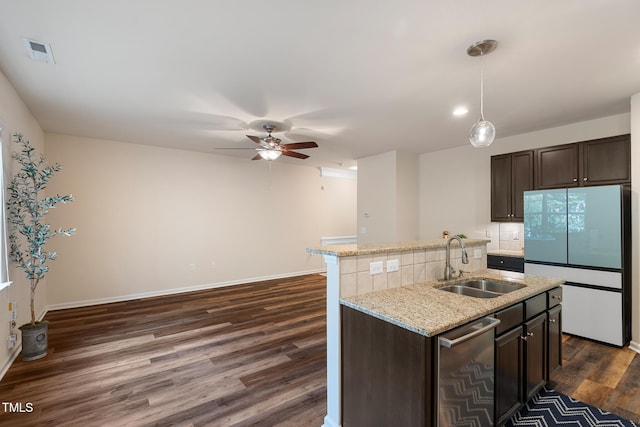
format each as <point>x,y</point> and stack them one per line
<point>554,297</point>
<point>508,263</point>
<point>536,305</point>
<point>509,318</point>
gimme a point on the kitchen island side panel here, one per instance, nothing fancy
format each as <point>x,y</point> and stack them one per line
<point>387,373</point>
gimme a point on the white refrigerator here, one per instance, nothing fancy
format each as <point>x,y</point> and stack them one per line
<point>583,235</point>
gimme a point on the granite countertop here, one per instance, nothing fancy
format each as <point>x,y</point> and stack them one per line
<point>424,309</point>
<point>505,252</point>
<point>376,248</point>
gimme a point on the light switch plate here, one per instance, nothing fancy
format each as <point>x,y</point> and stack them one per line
<point>375,267</point>
<point>393,265</point>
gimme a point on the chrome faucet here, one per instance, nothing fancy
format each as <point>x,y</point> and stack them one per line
<point>448,269</point>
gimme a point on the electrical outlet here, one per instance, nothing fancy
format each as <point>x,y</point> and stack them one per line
<point>11,341</point>
<point>477,253</point>
<point>375,267</point>
<point>191,267</point>
<point>393,265</point>
<point>516,235</point>
<point>487,233</point>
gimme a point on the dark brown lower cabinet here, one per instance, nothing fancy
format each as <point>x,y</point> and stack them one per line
<point>527,349</point>
<point>535,354</point>
<point>509,368</point>
<point>554,318</point>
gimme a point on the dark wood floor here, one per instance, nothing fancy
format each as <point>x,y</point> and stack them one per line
<point>253,354</point>
<point>600,375</point>
<point>243,355</point>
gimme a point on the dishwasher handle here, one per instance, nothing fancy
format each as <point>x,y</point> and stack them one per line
<point>492,323</point>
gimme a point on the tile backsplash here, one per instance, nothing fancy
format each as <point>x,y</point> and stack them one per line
<point>511,236</point>
<point>413,267</point>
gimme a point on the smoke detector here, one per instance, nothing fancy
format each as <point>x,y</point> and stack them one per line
<point>39,51</point>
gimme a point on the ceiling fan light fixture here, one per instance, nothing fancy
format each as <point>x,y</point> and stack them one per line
<point>270,154</point>
<point>483,132</point>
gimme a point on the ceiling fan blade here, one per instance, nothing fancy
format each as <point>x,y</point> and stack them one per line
<point>257,157</point>
<point>235,148</point>
<point>299,145</point>
<point>294,154</point>
<point>255,139</point>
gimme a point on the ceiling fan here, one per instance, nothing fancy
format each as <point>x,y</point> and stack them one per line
<point>271,148</point>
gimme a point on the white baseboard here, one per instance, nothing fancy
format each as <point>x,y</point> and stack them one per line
<point>129,297</point>
<point>634,346</point>
<point>10,360</point>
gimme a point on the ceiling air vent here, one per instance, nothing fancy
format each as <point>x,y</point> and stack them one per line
<point>39,51</point>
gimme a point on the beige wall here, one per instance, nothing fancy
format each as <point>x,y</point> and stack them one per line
<point>455,185</point>
<point>406,196</point>
<point>388,197</point>
<point>15,117</point>
<point>376,205</point>
<point>153,220</point>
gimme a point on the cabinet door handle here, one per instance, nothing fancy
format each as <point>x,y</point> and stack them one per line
<point>575,179</point>
<point>585,179</point>
<point>526,336</point>
<point>558,297</point>
<point>552,320</point>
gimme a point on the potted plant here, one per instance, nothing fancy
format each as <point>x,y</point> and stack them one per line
<point>27,208</point>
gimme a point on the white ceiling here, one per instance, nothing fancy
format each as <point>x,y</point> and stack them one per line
<point>359,77</point>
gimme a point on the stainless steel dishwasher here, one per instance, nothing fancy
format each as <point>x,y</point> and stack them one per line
<point>466,375</point>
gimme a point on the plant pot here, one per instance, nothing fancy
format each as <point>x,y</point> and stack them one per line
<point>34,341</point>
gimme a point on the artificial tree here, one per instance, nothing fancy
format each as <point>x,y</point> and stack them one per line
<point>27,208</point>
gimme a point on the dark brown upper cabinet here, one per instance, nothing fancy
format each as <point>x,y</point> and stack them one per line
<point>597,162</point>
<point>511,175</point>
<point>557,166</point>
<point>606,161</point>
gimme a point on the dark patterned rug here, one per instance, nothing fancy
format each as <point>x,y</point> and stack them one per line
<point>550,408</point>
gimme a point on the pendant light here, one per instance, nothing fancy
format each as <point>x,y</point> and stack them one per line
<point>482,132</point>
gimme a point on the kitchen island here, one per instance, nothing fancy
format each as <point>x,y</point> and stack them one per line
<point>405,295</point>
<point>397,371</point>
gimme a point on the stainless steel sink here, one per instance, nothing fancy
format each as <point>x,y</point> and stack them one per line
<point>470,292</point>
<point>481,288</point>
<point>491,286</point>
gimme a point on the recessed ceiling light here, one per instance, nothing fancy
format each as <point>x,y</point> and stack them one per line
<point>460,111</point>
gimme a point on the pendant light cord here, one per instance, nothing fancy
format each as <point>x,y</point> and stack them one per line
<point>481,89</point>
